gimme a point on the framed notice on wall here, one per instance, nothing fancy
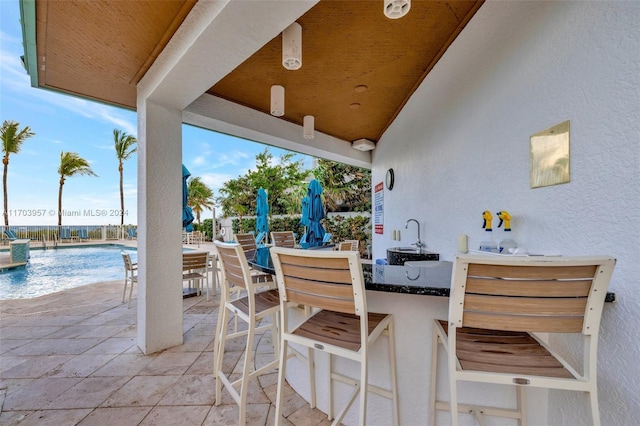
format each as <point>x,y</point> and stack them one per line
<point>378,210</point>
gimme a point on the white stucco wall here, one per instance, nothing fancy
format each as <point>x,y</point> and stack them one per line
<point>519,68</point>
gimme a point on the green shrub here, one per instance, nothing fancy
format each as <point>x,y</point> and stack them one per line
<point>350,228</point>
<point>342,228</point>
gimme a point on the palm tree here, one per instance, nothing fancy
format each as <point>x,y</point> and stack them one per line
<point>71,164</point>
<point>199,197</point>
<point>345,186</point>
<point>12,139</point>
<point>125,147</point>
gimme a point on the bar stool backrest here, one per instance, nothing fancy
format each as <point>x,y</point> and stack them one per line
<point>234,266</point>
<point>329,280</point>
<point>548,295</point>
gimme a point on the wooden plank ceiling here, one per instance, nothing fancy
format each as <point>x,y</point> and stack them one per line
<point>358,67</point>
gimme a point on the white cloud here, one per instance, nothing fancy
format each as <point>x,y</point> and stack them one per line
<point>199,161</point>
<point>215,180</point>
<point>14,76</point>
<point>230,159</point>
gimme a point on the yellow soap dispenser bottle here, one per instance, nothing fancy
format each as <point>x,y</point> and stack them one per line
<point>488,243</point>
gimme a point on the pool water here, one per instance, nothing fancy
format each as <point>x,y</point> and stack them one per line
<point>49,271</point>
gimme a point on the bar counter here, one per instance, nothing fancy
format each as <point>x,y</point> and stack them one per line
<point>432,278</point>
<point>399,290</point>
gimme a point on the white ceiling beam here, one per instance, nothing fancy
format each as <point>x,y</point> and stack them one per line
<point>213,113</point>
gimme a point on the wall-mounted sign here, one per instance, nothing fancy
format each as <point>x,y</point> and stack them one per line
<point>550,156</point>
<point>378,210</point>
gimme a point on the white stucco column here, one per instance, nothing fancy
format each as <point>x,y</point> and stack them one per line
<point>159,226</point>
<point>213,40</point>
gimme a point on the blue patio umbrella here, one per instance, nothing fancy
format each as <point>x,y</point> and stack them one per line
<point>187,214</point>
<point>315,232</point>
<point>304,220</point>
<point>262,211</point>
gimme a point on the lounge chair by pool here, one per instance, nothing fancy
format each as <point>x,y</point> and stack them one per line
<point>65,234</point>
<point>83,235</point>
<point>8,235</point>
<point>132,233</point>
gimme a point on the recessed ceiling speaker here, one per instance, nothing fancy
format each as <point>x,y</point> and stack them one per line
<point>394,9</point>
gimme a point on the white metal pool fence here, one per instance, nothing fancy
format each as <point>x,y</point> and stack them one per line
<point>70,232</point>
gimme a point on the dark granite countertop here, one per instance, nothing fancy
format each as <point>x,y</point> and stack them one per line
<point>431,280</point>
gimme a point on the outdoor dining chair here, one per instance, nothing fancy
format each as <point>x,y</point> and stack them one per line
<point>251,309</point>
<point>331,283</point>
<point>496,308</point>
<point>348,245</point>
<point>130,276</point>
<point>195,270</point>
<point>283,239</point>
<point>355,244</point>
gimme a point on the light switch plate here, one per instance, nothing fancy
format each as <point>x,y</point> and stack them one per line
<point>463,243</point>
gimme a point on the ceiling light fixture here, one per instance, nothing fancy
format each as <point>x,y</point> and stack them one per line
<point>277,101</point>
<point>307,129</point>
<point>394,9</point>
<point>292,47</point>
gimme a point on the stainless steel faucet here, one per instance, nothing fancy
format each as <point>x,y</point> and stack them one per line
<point>419,244</point>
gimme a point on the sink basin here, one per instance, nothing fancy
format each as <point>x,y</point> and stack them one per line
<point>420,263</point>
<point>400,255</point>
<point>406,249</point>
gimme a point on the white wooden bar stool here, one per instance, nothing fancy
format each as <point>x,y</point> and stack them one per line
<point>496,308</point>
<point>332,285</point>
<point>252,309</point>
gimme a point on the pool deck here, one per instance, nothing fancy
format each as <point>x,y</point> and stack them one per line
<point>71,358</point>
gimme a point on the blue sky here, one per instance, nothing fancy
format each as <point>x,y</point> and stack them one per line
<point>65,123</point>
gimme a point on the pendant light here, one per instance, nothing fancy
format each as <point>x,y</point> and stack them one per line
<point>277,101</point>
<point>307,128</point>
<point>292,47</point>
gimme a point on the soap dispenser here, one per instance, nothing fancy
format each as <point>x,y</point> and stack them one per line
<point>488,244</point>
<point>507,242</point>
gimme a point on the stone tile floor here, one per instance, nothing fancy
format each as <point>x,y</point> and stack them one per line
<point>71,358</point>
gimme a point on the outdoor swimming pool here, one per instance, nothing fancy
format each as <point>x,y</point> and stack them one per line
<point>49,271</point>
